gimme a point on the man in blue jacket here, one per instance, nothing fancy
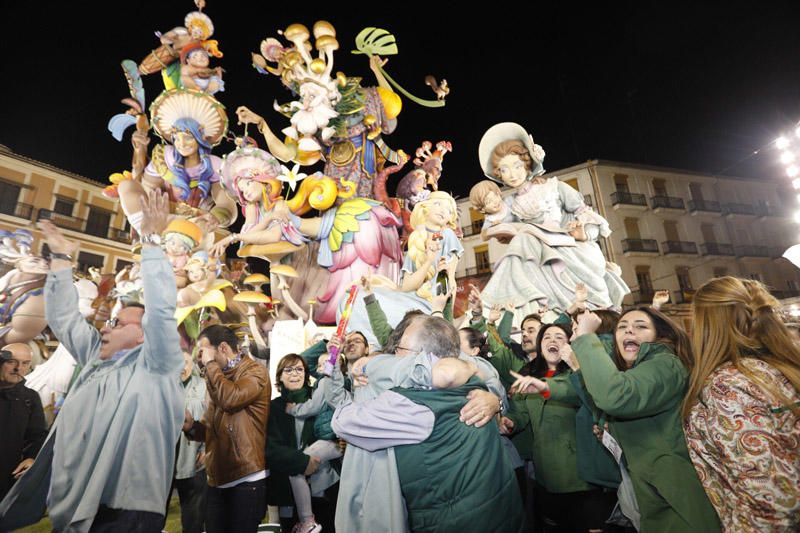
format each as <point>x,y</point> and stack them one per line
<point>108,461</point>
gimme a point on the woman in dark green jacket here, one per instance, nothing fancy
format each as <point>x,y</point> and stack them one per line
<point>640,390</point>
<point>560,490</point>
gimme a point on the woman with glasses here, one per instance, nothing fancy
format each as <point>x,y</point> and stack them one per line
<point>294,452</point>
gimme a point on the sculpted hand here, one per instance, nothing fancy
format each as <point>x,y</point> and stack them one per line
<point>245,116</point>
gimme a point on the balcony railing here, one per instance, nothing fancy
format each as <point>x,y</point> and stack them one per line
<point>752,251</point>
<point>472,229</point>
<point>628,198</point>
<point>483,270</point>
<point>679,247</point>
<point>770,211</point>
<point>62,221</point>
<point>669,202</point>
<point>716,248</point>
<point>19,210</point>
<point>119,235</point>
<point>738,209</point>
<point>704,205</point>
<point>639,245</point>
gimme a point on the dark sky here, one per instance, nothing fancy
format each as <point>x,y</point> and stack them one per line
<point>695,86</point>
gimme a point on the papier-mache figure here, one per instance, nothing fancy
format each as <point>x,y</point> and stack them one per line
<point>195,72</point>
<point>555,247</point>
<point>21,288</point>
<point>180,239</point>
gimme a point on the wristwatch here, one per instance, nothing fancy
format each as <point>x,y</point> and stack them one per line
<point>152,238</point>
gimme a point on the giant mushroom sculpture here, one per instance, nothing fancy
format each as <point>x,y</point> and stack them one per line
<point>282,272</point>
<point>252,299</point>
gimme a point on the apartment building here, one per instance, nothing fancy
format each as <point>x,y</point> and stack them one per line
<point>672,229</point>
<point>31,190</point>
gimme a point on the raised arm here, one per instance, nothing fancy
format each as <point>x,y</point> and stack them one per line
<point>162,348</point>
<point>61,299</point>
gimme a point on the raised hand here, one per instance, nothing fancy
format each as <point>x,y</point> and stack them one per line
<point>588,322</point>
<point>55,240</point>
<point>659,299</point>
<point>494,314</point>
<point>527,384</point>
<point>155,212</point>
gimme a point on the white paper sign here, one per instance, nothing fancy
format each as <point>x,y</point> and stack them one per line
<point>612,445</point>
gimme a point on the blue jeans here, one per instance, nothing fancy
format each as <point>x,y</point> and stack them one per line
<point>237,509</point>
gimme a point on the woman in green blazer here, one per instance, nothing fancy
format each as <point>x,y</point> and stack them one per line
<point>560,490</point>
<point>640,390</point>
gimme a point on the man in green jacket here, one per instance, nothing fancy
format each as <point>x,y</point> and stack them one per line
<point>453,477</point>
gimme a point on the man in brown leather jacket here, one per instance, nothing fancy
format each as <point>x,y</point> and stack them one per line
<point>234,429</point>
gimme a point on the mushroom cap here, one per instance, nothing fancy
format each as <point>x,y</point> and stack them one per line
<point>283,270</point>
<point>326,42</point>
<point>252,297</point>
<point>323,28</point>
<point>272,252</point>
<point>317,66</point>
<point>256,279</point>
<point>296,32</point>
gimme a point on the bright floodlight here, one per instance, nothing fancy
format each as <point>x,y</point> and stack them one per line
<point>792,171</point>
<point>797,217</point>
<point>782,142</point>
<point>787,157</point>
<point>797,131</point>
<point>793,255</point>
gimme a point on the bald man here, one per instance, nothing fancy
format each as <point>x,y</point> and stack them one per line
<point>21,416</point>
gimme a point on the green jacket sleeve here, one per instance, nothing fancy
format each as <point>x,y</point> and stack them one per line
<point>518,413</point>
<point>504,327</point>
<point>311,356</point>
<point>479,325</point>
<point>561,389</point>
<point>563,319</point>
<point>503,359</point>
<point>377,319</point>
<point>650,387</point>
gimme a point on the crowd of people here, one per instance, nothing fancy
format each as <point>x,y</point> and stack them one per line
<point>591,420</point>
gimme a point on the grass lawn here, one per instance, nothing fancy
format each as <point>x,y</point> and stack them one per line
<point>173,521</point>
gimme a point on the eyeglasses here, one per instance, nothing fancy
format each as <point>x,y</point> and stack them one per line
<point>113,323</point>
<point>294,370</point>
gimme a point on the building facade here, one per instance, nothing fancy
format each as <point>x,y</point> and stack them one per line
<point>31,191</point>
<point>671,229</point>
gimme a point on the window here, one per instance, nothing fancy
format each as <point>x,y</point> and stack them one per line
<point>793,285</point>
<point>632,228</point>
<point>87,260</point>
<point>645,282</point>
<point>63,206</point>
<point>9,195</point>
<point>621,183</point>
<point>720,272</point>
<point>708,233</point>
<point>697,191</point>
<point>755,276</point>
<point>671,230</point>
<point>684,280</point>
<point>482,260</point>
<point>98,222</point>
<point>659,187</point>
<point>121,263</point>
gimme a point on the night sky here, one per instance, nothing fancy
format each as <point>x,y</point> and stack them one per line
<point>699,87</point>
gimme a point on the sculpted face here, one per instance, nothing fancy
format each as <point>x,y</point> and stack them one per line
<point>185,143</point>
<point>252,191</point>
<point>492,203</point>
<point>513,170</point>
<point>439,214</point>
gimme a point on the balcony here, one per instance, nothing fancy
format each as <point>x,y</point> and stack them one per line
<point>679,247</point>
<point>731,210</point>
<point>19,210</point>
<point>472,229</point>
<point>764,211</point>
<point>752,251</point>
<point>62,221</point>
<point>716,248</point>
<point>704,206</point>
<point>628,200</point>
<point>659,203</point>
<point>483,270</point>
<point>639,246</point>
<point>123,236</point>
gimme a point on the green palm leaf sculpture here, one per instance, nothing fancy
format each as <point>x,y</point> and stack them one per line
<point>377,41</point>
